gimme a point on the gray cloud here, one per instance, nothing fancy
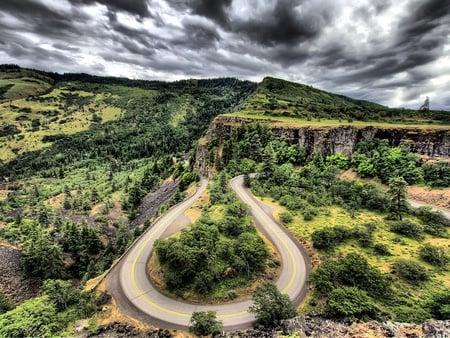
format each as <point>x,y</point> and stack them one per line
<point>134,7</point>
<point>392,52</point>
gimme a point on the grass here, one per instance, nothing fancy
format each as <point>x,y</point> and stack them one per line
<point>400,247</point>
<point>281,121</point>
<point>67,119</point>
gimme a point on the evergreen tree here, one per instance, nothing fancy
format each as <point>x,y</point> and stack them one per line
<point>398,193</point>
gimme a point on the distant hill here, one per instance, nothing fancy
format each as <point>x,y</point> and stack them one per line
<point>17,83</point>
<point>279,98</point>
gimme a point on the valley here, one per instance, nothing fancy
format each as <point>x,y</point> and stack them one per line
<point>90,164</point>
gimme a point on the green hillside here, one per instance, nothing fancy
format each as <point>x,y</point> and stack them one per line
<point>17,83</point>
<point>298,103</point>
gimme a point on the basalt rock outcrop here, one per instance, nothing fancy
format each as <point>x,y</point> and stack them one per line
<point>432,143</point>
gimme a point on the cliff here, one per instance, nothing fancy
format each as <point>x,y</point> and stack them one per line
<point>432,143</point>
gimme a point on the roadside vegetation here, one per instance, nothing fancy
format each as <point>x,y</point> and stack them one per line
<point>218,255</point>
<point>380,259</point>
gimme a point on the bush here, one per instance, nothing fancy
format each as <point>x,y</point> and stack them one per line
<point>439,304</point>
<point>286,217</point>
<point>350,302</point>
<point>410,314</point>
<point>434,255</point>
<point>351,270</point>
<point>309,214</point>
<point>435,223</point>
<point>5,304</point>
<point>410,271</point>
<point>408,229</point>
<point>270,305</point>
<point>328,237</point>
<point>204,323</point>
<point>381,249</point>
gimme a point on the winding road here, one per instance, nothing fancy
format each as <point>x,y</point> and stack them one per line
<point>135,295</point>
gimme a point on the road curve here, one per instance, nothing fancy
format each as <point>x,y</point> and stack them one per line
<point>146,302</point>
<point>417,204</point>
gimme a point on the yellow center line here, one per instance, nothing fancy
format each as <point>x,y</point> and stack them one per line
<point>140,293</point>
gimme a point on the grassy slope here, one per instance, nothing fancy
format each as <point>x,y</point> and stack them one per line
<point>297,104</point>
<point>21,83</point>
<point>401,247</point>
<point>57,112</point>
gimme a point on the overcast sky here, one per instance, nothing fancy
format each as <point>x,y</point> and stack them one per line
<point>394,52</point>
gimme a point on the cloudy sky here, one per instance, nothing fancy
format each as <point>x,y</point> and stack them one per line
<point>393,52</point>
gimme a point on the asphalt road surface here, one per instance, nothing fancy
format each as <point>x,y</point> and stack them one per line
<point>140,299</point>
<point>417,204</point>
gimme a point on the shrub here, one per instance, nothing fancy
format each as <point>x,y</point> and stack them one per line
<point>5,304</point>
<point>309,214</point>
<point>204,323</point>
<point>439,304</point>
<point>381,249</point>
<point>350,302</point>
<point>410,271</point>
<point>328,237</point>
<point>434,255</point>
<point>435,223</point>
<point>351,270</point>
<point>286,217</point>
<point>407,228</point>
<point>410,314</point>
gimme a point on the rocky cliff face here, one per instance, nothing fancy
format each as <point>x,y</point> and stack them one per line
<point>434,143</point>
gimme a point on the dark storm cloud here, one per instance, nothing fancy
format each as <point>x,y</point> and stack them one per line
<point>133,37</point>
<point>216,10</point>
<point>42,19</point>
<point>424,20</point>
<point>418,41</point>
<point>198,36</point>
<point>285,24</point>
<point>134,7</point>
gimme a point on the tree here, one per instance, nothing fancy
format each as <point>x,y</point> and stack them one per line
<point>270,305</point>
<point>61,293</point>
<point>41,258</point>
<point>203,323</point>
<point>397,193</point>
<point>33,318</point>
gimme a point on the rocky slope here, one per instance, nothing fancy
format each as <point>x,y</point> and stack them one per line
<point>302,326</point>
<point>12,284</point>
<point>433,143</point>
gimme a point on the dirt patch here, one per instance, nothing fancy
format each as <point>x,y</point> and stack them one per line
<point>179,223</point>
<point>436,197</point>
<point>56,202</point>
<point>3,194</point>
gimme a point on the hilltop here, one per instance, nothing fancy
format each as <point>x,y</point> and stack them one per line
<point>296,103</point>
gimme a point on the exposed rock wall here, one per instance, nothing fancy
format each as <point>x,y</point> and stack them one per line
<point>433,143</point>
